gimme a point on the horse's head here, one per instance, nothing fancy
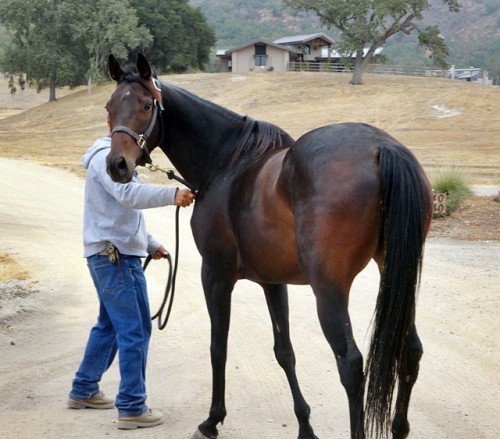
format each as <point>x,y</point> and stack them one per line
<point>132,116</point>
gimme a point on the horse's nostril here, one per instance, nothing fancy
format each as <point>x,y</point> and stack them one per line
<point>121,165</point>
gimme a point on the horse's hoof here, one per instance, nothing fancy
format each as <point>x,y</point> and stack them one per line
<point>199,435</point>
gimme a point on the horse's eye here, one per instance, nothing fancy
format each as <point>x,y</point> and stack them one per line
<point>147,106</point>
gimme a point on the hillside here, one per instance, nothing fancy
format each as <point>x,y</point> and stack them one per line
<point>472,34</point>
<point>236,22</point>
<point>444,122</point>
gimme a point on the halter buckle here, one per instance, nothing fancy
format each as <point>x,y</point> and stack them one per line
<point>141,141</point>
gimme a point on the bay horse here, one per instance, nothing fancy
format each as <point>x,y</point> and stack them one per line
<point>277,211</point>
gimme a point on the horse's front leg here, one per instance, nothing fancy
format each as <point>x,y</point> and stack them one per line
<point>217,287</point>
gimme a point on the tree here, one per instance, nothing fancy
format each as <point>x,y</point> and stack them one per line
<point>368,24</point>
<point>181,37</point>
<point>41,49</point>
<point>56,43</point>
<point>104,27</point>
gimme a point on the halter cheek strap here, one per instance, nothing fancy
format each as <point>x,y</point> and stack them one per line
<point>141,139</point>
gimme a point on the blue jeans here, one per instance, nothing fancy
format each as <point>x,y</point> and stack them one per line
<point>123,324</point>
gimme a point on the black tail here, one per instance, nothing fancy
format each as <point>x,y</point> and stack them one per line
<point>406,211</point>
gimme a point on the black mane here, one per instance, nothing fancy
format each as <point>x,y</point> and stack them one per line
<point>244,136</point>
<point>258,137</point>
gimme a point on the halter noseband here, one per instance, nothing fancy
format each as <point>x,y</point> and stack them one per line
<point>141,139</point>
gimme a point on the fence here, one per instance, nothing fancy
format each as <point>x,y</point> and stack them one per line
<point>381,69</point>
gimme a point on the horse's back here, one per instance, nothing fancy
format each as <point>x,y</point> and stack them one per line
<point>334,164</point>
<point>343,140</point>
<point>342,158</point>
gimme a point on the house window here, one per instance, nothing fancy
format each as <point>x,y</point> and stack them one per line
<point>260,60</point>
<point>307,49</point>
<point>260,55</point>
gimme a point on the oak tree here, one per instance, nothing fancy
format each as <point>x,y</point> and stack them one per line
<point>365,25</point>
<point>56,43</point>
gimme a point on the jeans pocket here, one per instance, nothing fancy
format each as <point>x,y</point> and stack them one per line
<point>107,277</point>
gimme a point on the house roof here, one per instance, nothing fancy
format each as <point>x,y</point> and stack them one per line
<point>302,39</point>
<point>223,53</point>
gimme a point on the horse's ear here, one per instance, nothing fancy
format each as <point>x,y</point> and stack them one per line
<point>114,68</point>
<point>143,67</point>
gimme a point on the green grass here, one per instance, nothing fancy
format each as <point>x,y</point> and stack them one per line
<point>454,183</point>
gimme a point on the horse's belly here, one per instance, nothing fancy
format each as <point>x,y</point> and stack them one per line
<point>267,248</point>
<point>263,259</point>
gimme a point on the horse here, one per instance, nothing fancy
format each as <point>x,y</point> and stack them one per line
<point>276,211</point>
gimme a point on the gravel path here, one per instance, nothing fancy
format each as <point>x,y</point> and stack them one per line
<point>43,330</point>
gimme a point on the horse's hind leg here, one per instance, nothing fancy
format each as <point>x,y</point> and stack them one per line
<point>336,325</point>
<point>277,302</point>
<point>407,378</point>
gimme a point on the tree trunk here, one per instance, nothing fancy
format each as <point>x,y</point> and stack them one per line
<point>89,86</point>
<point>359,69</point>
<point>360,64</point>
<point>357,75</point>
<point>52,87</point>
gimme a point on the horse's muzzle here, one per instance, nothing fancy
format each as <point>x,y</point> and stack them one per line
<point>118,169</point>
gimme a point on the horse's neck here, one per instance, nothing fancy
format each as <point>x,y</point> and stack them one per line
<point>198,133</point>
<point>198,125</point>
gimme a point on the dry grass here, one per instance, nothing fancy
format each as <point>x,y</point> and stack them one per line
<point>444,122</point>
<point>11,268</point>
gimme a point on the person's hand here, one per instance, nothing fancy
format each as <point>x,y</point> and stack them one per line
<point>184,197</point>
<point>160,253</point>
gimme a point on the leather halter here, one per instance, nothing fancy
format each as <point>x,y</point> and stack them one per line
<point>141,139</point>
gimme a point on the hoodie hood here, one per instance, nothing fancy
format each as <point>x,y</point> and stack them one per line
<point>100,144</point>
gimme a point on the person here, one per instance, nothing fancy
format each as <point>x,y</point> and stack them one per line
<point>115,238</point>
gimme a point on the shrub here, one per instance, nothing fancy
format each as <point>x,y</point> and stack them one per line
<point>453,182</point>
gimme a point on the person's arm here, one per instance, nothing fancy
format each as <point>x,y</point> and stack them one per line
<point>133,194</point>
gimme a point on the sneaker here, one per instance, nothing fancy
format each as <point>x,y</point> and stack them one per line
<point>98,401</point>
<point>150,418</point>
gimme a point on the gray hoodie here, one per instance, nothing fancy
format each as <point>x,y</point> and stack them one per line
<point>112,210</point>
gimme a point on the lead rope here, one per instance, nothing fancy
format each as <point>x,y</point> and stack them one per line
<point>170,174</point>
<point>172,274</point>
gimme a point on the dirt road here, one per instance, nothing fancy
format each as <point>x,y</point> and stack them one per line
<point>42,336</point>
